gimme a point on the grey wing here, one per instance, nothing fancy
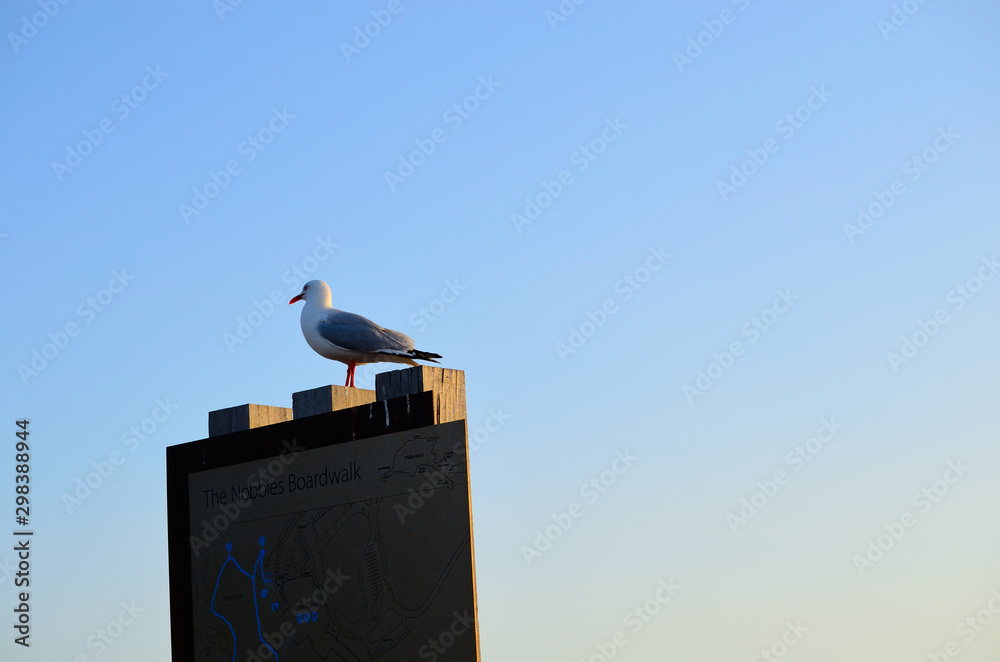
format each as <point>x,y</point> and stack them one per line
<point>360,334</point>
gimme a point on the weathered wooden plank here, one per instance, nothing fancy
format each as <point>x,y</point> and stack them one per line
<point>245,417</point>
<point>448,387</point>
<point>329,398</point>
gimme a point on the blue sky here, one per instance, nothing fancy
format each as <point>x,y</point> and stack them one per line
<point>206,89</point>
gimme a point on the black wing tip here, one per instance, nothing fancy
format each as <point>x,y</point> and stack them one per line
<point>425,356</point>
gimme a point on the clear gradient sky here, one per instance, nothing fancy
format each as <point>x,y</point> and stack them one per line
<point>677,183</point>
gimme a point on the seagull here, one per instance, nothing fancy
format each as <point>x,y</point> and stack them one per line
<point>350,338</point>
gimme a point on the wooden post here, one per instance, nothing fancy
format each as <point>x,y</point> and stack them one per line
<point>448,387</point>
<point>329,398</point>
<point>245,417</point>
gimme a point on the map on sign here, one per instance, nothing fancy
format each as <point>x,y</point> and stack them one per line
<point>354,551</point>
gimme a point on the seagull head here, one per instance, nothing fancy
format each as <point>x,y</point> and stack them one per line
<point>314,290</point>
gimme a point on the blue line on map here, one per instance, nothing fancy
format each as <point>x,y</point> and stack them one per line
<point>258,564</point>
<point>212,605</point>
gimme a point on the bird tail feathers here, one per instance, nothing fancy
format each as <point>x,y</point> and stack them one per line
<point>425,356</point>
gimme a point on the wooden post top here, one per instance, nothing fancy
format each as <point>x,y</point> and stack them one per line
<point>448,387</point>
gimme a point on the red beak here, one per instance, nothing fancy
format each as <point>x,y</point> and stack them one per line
<point>297,297</point>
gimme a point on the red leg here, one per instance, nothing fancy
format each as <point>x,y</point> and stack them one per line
<point>350,374</point>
